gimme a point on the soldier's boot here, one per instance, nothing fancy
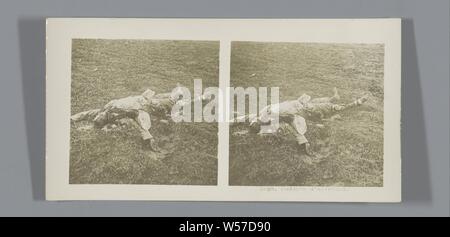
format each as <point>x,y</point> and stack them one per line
<point>154,146</point>
<point>358,102</point>
<point>362,100</point>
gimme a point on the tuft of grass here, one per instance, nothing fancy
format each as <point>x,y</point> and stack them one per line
<point>103,70</point>
<point>349,151</point>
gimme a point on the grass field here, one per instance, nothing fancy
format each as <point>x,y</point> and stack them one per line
<point>103,70</point>
<point>349,151</point>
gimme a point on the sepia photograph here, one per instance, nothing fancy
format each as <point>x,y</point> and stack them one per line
<point>122,94</point>
<point>330,115</point>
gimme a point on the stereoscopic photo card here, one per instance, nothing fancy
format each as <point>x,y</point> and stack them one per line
<point>223,109</point>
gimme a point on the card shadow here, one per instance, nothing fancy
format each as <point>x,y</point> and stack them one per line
<point>416,183</point>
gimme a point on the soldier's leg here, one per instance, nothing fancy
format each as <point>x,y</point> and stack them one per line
<point>300,127</point>
<point>85,115</point>
<point>144,122</point>
<point>112,116</point>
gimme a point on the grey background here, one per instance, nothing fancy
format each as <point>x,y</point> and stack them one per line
<point>425,101</point>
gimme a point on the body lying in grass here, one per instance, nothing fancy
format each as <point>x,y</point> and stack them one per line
<point>134,110</point>
<point>296,112</point>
